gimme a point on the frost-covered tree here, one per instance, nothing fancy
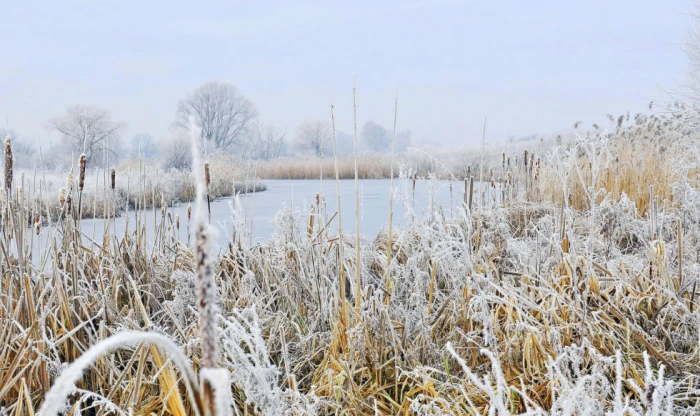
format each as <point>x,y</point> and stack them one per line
<point>220,112</point>
<point>177,153</point>
<point>378,139</point>
<point>313,139</point>
<point>265,141</point>
<point>375,137</point>
<point>143,144</point>
<point>90,130</point>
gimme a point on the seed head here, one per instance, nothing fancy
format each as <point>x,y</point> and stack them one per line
<point>8,163</point>
<point>112,178</point>
<point>207,176</point>
<point>189,212</point>
<point>61,196</point>
<point>81,172</point>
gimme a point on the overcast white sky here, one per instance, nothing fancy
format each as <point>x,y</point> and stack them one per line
<point>530,66</point>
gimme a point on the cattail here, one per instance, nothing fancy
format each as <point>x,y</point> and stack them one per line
<point>508,161</point>
<point>61,196</point>
<point>69,202</point>
<point>8,163</point>
<point>503,159</point>
<point>189,212</point>
<point>526,160</point>
<point>20,195</point>
<point>112,178</point>
<point>207,176</point>
<point>37,225</point>
<point>177,221</point>
<point>508,178</point>
<point>81,172</point>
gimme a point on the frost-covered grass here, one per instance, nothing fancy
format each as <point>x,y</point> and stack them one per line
<point>563,291</point>
<point>137,185</point>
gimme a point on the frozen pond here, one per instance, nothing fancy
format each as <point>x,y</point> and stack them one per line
<point>299,195</point>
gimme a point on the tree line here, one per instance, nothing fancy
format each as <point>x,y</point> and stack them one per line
<point>226,119</point>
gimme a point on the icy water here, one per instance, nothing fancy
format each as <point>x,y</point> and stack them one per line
<point>298,195</point>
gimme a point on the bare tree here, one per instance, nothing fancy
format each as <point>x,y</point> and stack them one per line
<point>313,139</point>
<point>375,137</point>
<point>177,153</point>
<point>265,141</point>
<point>143,144</point>
<point>221,113</point>
<point>88,129</point>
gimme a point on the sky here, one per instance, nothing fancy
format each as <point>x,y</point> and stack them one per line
<point>529,67</point>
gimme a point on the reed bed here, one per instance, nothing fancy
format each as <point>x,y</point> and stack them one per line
<point>552,290</point>
<point>108,193</point>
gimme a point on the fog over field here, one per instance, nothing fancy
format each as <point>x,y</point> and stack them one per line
<point>368,208</point>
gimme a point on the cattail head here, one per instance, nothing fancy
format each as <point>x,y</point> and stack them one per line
<point>8,162</point>
<point>508,161</point>
<point>508,178</point>
<point>37,225</point>
<point>207,176</point>
<point>69,202</point>
<point>81,172</point>
<point>71,178</point>
<point>526,159</point>
<point>177,221</point>
<point>113,178</point>
<point>61,196</point>
<point>189,212</point>
<point>503,159</point>
<point>20,195</point>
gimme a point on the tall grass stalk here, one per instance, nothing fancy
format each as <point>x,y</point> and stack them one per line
<point>341,244</point>
<point>358,262</point>
<point>390,238</point>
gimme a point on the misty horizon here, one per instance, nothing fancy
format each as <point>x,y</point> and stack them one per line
<point>528,69</point>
